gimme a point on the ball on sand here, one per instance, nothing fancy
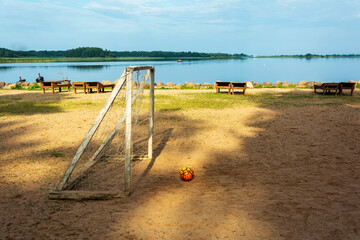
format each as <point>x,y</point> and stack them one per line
<point>187,174</point>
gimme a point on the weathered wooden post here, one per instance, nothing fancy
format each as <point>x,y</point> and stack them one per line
<point>128,144</point>
<point>151,119</point>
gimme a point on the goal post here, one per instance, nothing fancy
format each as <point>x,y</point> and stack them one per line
<point>128,147</point>
<point>111,123</point>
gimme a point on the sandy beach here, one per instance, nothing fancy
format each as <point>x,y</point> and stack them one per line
<point>273,164</point>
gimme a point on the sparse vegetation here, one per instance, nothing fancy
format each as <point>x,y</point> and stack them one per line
<point>34,88</point>
<point>17,86</point>
<point>14,104</point>
<point>57,154</point>
<point>220,101</point>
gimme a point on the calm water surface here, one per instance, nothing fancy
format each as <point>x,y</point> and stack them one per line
<point>257,70</point>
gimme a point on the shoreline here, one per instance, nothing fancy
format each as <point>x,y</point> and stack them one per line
<point>188,85</point>
<point>119,59</point>
<point>137,59</point>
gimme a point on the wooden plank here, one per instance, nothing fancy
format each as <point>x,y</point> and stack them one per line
<point>128,146</point>
<point>84,195</point>
<point>151,117</point>
<point>137,68</point>
<point>91,132</point>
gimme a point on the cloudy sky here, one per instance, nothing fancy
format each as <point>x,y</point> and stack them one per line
<point>232,26</point>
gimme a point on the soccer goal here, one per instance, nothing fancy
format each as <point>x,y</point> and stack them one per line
<point>121,135</point>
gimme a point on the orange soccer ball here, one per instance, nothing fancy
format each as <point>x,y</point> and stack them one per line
<point>187,174</point>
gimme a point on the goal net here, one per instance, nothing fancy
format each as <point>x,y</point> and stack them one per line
<point>120,136</point>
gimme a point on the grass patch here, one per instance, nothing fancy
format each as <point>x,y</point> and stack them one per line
<point>280,86</point>
<point>34,88</point>
<point>26,107</point>
<point>187,87</point>
<point>57,154</point>
<point>163,88</point>
<point>16,87</point>
<point>15,105</point>
<point>199,100</point>
<point>80,104</point>
<point>222,101</point>
<point>300,100</point>
<point>19,104</point>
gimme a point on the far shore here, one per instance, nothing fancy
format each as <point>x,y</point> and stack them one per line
<point>135,59</point>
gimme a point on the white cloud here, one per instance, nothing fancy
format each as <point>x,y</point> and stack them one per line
<point>126,20</point>
<point>162,8</point>
<point>289,2</point>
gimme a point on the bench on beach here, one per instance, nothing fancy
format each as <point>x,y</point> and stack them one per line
<point>55,84</point>
<point>89,86</point>
<point>347,85</point>
<point>327,87</point>
<point>98,86</point>
<point>238,86</point>
<point>230,86</point>
<point>222,85</point>
<point>79,85</point>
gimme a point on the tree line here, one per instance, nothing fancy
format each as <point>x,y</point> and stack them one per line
<point>309,55</point>
<point>7,53</point>
<point>174,54</point>
<point>90,52</point>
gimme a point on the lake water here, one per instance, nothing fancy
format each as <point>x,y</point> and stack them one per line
<point>201,71</point>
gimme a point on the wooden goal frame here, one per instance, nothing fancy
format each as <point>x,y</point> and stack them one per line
<point>63,189</point>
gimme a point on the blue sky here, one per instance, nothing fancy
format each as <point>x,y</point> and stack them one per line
<point>260,27</point>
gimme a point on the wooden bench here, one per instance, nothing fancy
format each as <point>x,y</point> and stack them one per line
<point>238,86</point>
<point>98,86</point>
<point>327,87</point>
<point>222,85</point>
<point>347,85</point>
<point>89,86</point>
<point>55,84</point>
<point>79,85</point>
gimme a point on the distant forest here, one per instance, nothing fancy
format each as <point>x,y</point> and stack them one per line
<point>309,55</point>
<point>93,52</point>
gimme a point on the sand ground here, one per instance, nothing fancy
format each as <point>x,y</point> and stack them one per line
<point>262,172</point>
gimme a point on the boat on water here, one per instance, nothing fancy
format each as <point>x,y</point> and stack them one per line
<point>179,60</point>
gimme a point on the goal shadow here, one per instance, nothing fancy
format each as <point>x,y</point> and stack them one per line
<point>166,134</point>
